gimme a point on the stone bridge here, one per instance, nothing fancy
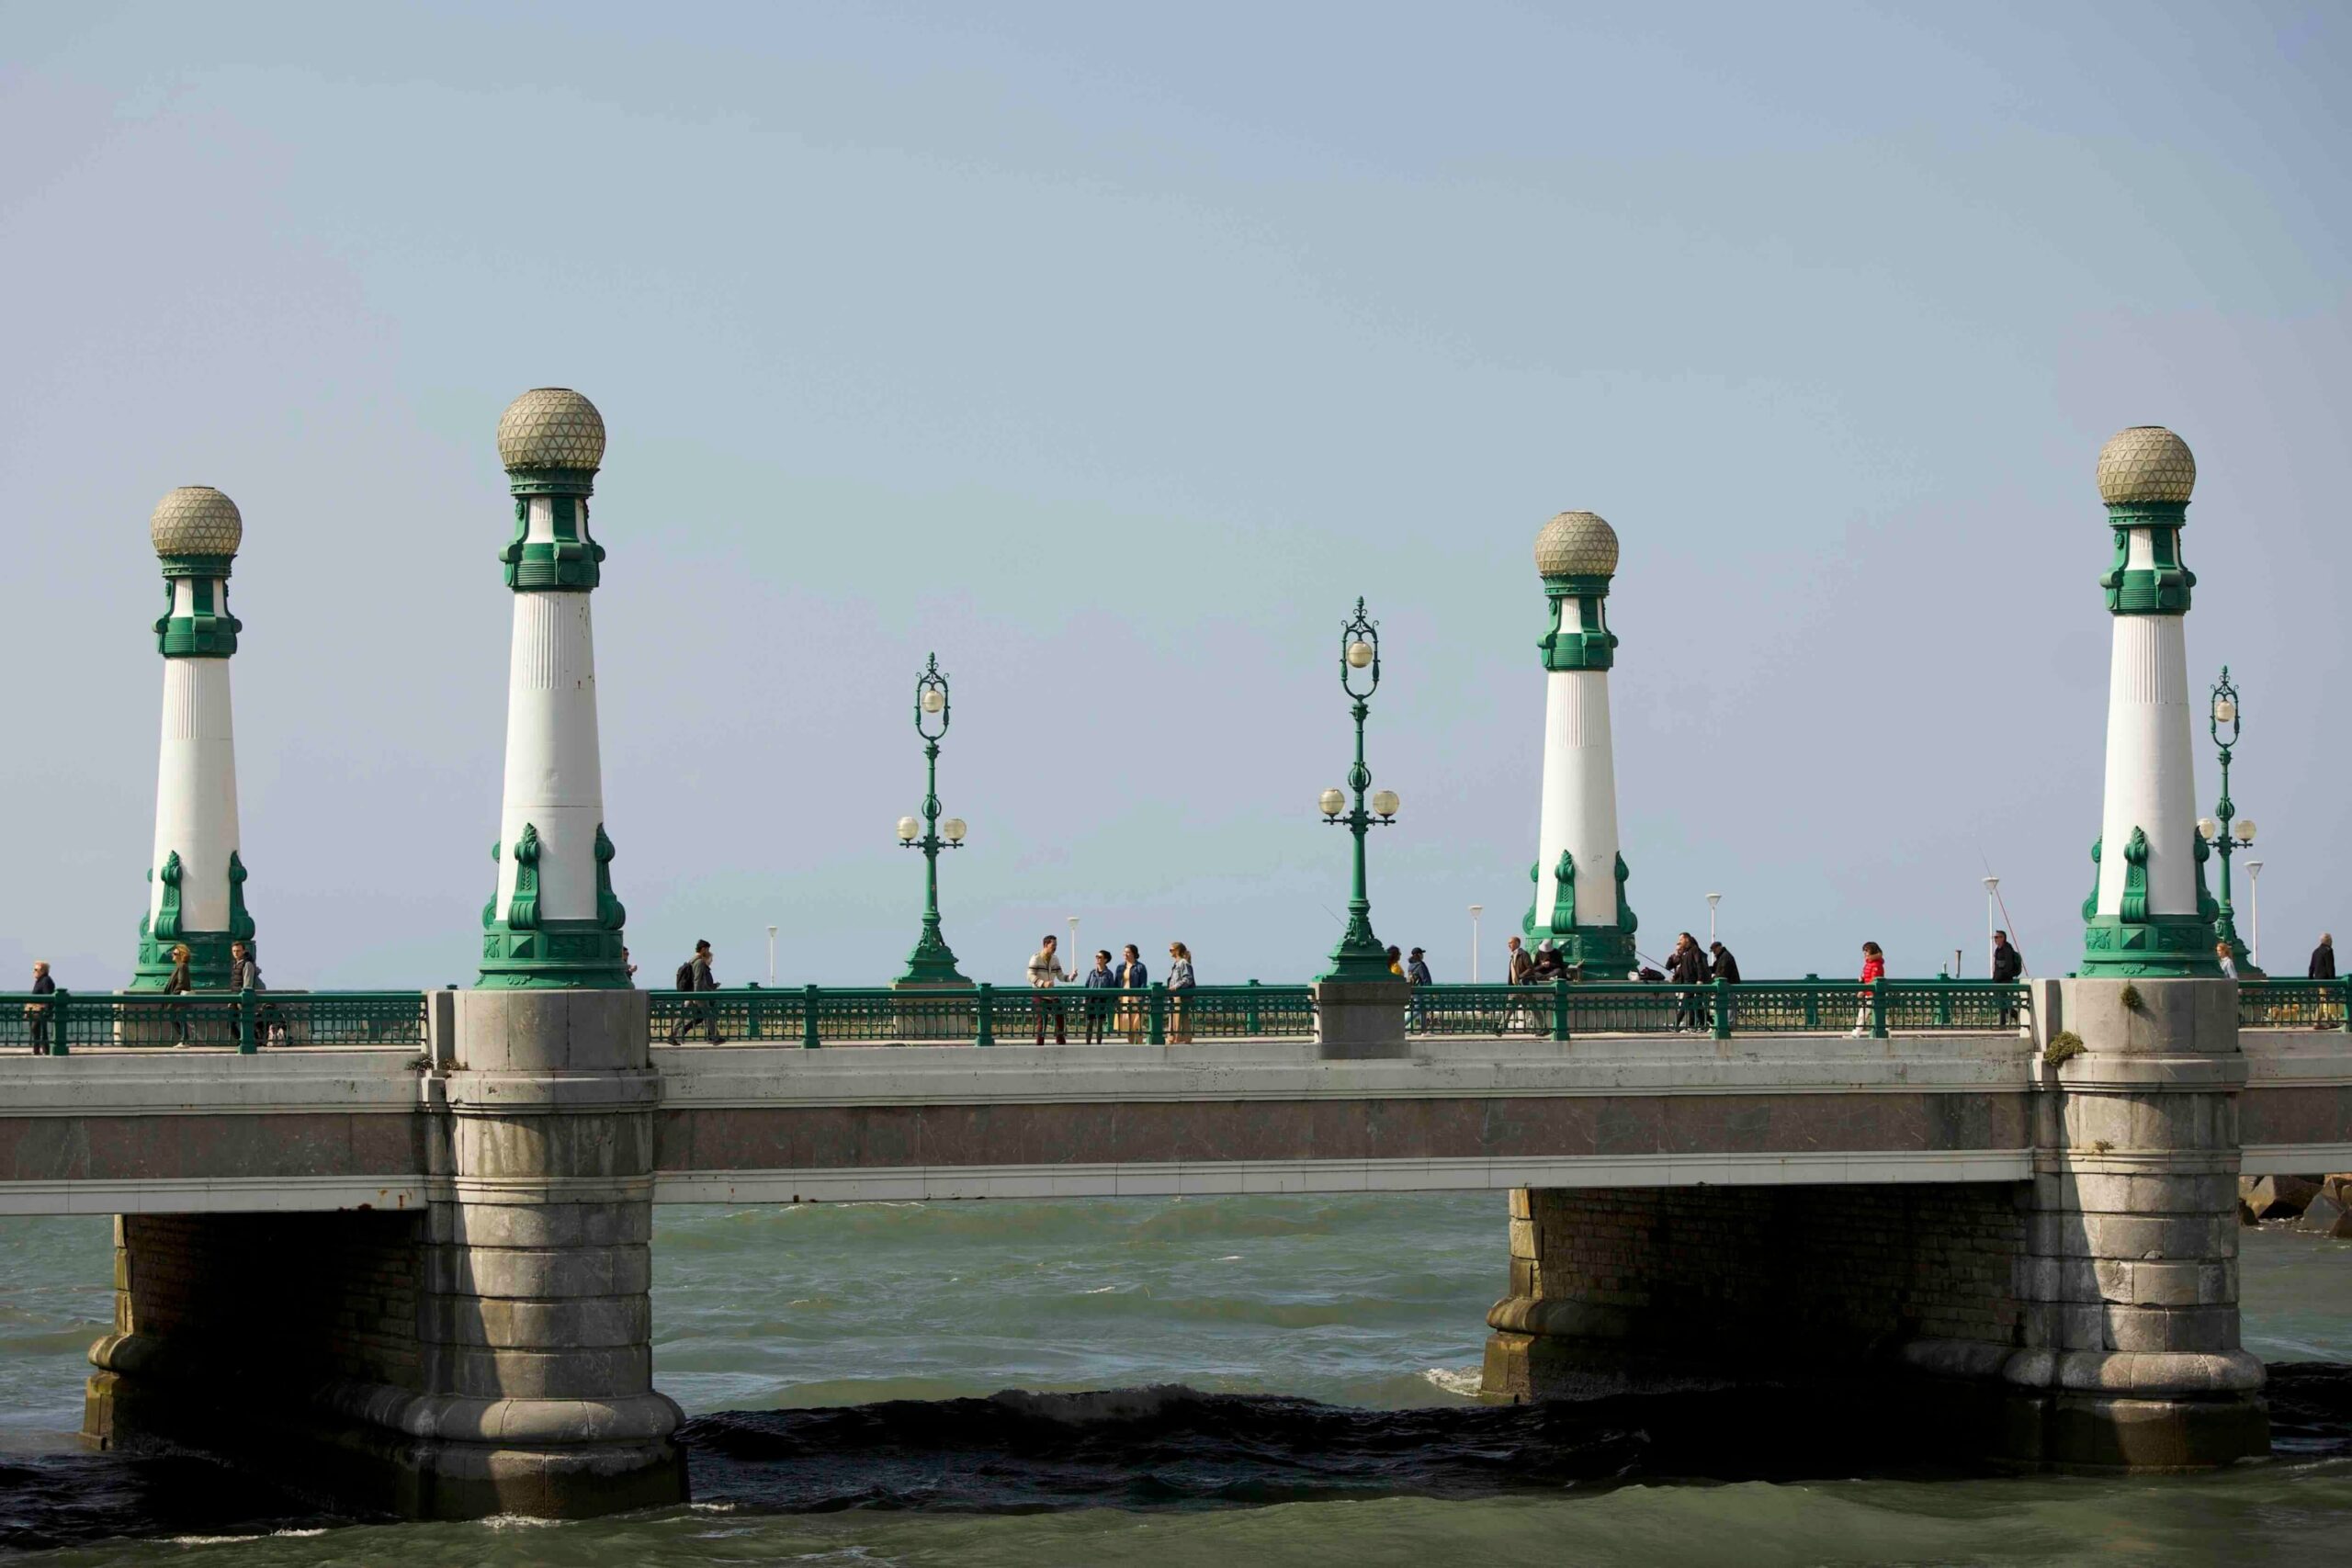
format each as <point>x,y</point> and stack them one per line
<point>461,1238</point>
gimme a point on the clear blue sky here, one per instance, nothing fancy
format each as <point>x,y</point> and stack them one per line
<point>1112,352</point>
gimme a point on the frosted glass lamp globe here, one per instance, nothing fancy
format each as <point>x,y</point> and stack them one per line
<point>907,829</point>
<point>1331,801</point>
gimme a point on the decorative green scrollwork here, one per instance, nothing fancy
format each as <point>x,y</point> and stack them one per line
<point>2161,588</point>
<point>167,916</point>
<point>522,909</point>
<point>2208,909</point>
<point>1564,904</point>
<point>2134,910</point>
<point>1627,922</point>
<point>609,912</point>
<point>2090,905</point>
<point>241,924</point>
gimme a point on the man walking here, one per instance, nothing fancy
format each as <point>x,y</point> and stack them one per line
<point>1045,972</point>
<point>37,1013</point>
<point>1686,967</point>
<point>2008,964</point>
<point>1417,970</point>
<point>1723,967</point>
<point>2323,968</point>
<point>694,975</point>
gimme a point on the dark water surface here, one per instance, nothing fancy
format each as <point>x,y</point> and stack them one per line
<point>1223,1380</point>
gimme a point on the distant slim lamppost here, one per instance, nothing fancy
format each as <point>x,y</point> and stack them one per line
<point>1475,911</point>
<point>1992,924</point>
<point>771,958</point>
<point>930,963</point>
<point>2254,896</point>
<point>1360,955</point>
<point>2223,715</point>
<point>1713,899</point>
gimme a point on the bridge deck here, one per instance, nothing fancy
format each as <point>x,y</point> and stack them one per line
<point>163,1131</point>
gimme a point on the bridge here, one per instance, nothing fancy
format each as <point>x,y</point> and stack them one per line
<point>2021,1197</point>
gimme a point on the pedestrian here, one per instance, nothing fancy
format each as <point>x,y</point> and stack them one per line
<point>1519,969</point>
<point>1103,978</point>
<point>2228,962</point>
<point>2008,967</point>
<point>1180,980</point>
<point>1723,967</point>
<point>37,1013</point>
<point>1686,967</point>
<point>244,975</point>
<point>1548,966</point>
<point>179,985</point>
<point>629,968</point>
<point>694,977</point>
<point>1396,962</point>
<point>1874,973</point>
<point>1133,979</point>
<point>1045,972</point>
<point>1417,970</point>
<point>2323,968</point>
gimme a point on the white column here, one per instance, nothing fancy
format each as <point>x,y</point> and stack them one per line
<point>2151,783</point>
<point>195,790</point>
<point>1579,794</point>
<point>554,779</point>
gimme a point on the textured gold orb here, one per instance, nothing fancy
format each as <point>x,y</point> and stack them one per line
<point>196,520</point>
<point>552,427</point>
<point>2146,462</point>
<point>1576,543</point>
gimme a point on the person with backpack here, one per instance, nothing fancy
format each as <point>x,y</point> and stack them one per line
<point>244,975</point>
<point>694,977</point>
<point>1687,966</point>
<point>1180,980</point>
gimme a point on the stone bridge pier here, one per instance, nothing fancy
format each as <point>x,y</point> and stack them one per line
<point>490,1355</point>
<point>2085,1319</point>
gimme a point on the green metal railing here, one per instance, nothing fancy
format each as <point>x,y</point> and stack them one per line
<point>1811,1006</point>
<point>65,1020</point>
<point>2295,1004</point>
<point>982,1015</point>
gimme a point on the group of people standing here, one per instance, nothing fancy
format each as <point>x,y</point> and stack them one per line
<point>1119,1003</point>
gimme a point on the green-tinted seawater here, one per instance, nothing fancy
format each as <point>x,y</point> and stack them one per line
<point>1361,1302</point>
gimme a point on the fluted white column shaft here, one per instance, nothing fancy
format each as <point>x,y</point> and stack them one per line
<point>195,790</point>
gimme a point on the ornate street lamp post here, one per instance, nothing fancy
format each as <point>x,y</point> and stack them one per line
<point>930,963</point>
<point>1360,955</point>
<point>2216,831</point>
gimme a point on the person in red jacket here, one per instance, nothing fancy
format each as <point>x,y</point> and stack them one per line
<point>1873,971</point>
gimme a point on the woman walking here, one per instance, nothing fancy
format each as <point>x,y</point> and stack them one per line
<point>1180,980</point>
<point>1873,972</point>
<point>178,985</point>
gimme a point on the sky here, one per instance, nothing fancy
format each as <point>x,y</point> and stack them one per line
<point>1111,353</point>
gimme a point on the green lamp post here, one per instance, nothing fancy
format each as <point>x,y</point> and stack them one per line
<point>2216,831</point>
<point>1360,955</point>
<point>931,962</point>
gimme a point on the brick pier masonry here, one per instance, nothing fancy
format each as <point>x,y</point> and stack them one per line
<point>421,1283</point>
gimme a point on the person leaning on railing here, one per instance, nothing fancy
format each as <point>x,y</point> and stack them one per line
<point>37,1013</point>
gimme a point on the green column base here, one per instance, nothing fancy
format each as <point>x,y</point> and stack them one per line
<point>1606,952</point>
<point>207,961</point>
<point>579,956</point>
<point>2163,946</point>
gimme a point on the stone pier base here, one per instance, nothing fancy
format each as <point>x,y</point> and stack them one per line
<point>492,1355</point>
<point>2087,1319</point>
